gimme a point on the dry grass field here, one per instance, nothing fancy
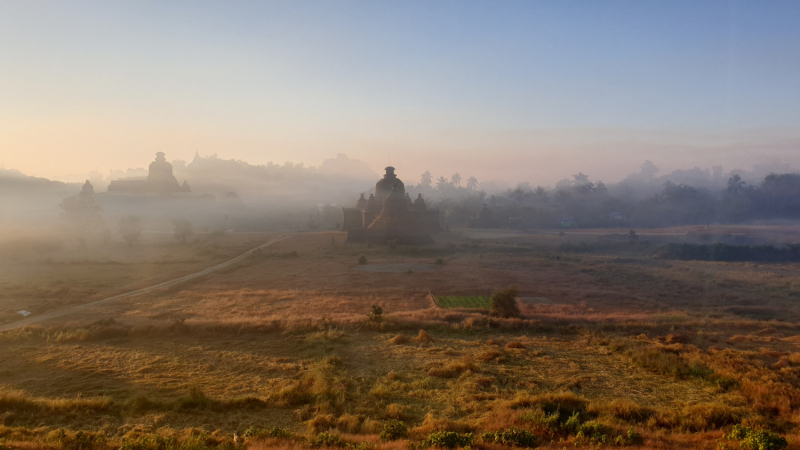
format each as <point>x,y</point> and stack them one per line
<point>614,346</point>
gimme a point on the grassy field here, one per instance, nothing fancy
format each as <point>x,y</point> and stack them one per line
<point>619,348</point>
<point>450,302</point>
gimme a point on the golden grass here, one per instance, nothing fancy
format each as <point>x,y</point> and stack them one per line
<point>273,343</point>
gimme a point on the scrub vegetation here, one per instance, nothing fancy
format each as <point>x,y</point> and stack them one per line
<point>595,348</point>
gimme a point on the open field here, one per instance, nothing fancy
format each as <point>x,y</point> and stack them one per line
<point>611,338</point>
<point>456,301</point>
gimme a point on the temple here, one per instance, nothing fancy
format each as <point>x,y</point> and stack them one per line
<point>159,180</point>
<point>390,215</point>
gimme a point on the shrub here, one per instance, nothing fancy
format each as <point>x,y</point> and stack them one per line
<point>394,430</point>
<point>629,411</point>
<point>424,336</point>
<point>504,302</point>
<point>77,441</point>
<point>326,439</point>
<point>513,436</point>
<point>399,339</point>
<point>631,438</point>
<point>542,421</point>
<point>362,260</point>
<point>594,432</point>
<point>264,433</point>
<point>704,416</point>
<point>756,439</point>
<point>440,261</point>
<point>448,439</point>
<point>515,344</point>
<point>376,315</point>
<point>156,442</point>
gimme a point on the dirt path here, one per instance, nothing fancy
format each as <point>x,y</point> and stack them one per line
<point>76,308</point>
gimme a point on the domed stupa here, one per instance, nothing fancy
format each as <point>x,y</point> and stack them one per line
<point>159,180</point>
<point>390,215</point>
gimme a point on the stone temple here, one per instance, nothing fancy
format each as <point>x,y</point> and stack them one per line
<point>390,215</point>
<point>159,180</point>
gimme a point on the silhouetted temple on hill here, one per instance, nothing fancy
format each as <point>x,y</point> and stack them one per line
<point>159,180</point>
<point>390,215</point>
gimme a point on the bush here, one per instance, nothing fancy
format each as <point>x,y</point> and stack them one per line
<point>424,337</point>
<point>78,441</point>
<point>629,411</point>
<point>156,442</point>
<point>504,302</point>
<point>362,260</point>
<point>326,439</point>
<point>513,436</point>
<point>594,432</point>
<point>264,433</point>
<point>756,439</point>
<point>376,315</point>
<point>440,261</point>
<point>394,430</point>
<point>448,439</point>
<point>631,438</point>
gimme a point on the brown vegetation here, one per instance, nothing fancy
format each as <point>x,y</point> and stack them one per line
<point>649,345</point>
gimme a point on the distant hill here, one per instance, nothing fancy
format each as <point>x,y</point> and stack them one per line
<point>12,180</point>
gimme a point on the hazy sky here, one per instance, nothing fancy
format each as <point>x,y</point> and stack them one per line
<point>532,90</point>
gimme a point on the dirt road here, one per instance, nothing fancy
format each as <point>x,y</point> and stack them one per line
<point>72,309</point>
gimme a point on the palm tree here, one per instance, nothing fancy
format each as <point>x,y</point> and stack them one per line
<point>426,179</point>
<point>456,179</point>
<point>736,185</point>
<point>472,183</point>
<point>441,183</point>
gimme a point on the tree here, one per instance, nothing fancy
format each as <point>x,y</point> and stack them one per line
<point>441,183</point>
<point>183,229</point>
<point>581,179</point>
<point>517,194</point>
<point>648,170</point>
<point>540,192</point>
<point>426,179</point>
<point>456,179</point>
<point>472,183</point>
<point>504,302</point>
<point>130,228</point>
<point>735,185</point>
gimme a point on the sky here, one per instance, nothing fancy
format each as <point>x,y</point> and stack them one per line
<point>522,91</point>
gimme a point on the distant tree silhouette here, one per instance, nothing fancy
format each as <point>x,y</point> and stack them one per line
<point>581,179</point>
<point>456,179</point>
<point>442,183</point>
<point>182,229</point>
<point>426,179</point>
<point>472,183</point>
<point>130,228</point>
<point>518,194</point>
<point>735,185</point>
<point>600,188</point>
<point>540,192</point>
<point>648,170</point>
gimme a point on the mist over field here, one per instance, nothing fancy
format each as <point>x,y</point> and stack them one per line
<point>375,225</point>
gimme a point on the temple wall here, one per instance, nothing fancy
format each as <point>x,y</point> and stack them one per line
<point>351,219</point>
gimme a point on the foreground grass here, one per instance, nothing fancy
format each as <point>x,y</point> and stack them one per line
<point>627,352</point>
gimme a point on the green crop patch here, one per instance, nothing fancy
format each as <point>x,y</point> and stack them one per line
<point>463,302</point>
